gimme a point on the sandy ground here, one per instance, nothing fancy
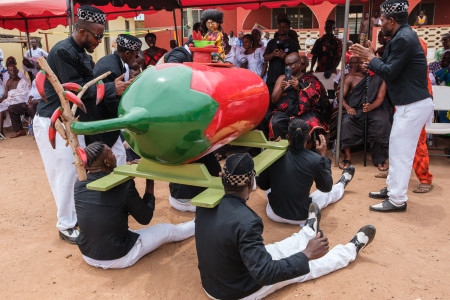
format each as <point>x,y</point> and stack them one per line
<point>409,258</point>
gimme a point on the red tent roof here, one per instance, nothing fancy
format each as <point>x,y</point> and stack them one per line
<point>40,14</point>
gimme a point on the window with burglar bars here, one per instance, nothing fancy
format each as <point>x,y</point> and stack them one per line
<point>196,14</point>
<point>300,16</point>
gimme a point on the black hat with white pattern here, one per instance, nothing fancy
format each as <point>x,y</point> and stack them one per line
<point>91,14</point>
<point>394,7</point>
<point>129,42</point>
<point>238,170</point>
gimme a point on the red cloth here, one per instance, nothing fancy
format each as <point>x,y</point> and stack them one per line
<point>348,54</point>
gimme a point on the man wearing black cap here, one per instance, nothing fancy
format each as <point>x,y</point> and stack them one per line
<point>404,69</point>
<point>128,47</point>
<point>70,62</point>
<point>234,262</point>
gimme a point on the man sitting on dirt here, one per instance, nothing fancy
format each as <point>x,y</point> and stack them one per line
<point>14,101</point>
<point>288,181</point>
<point>364,96</point>
<point>104,239</point>
<point>233,261</point>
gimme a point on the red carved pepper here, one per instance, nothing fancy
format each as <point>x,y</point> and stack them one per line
<point>52,135</point>
<point>100,91</point>
<point>75,100</point>
<point>55,116</point>
<point>72,86</point>
<point>40,79</point>
<point>194,35</point>
<point>82,155</point>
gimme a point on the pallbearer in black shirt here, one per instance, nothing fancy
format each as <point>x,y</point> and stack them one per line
<point>128,47</point>
<point>233,261</point>
<point>404,69</point>
<point>288,181</point>
<point>70,63</point>
<point>105,240</point>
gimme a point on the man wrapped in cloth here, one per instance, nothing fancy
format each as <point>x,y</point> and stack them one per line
<point>364,96</point>
<point>127,52</point>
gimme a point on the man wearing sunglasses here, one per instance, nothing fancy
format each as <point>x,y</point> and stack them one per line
<point>128,47</point>
<point>70,63</point>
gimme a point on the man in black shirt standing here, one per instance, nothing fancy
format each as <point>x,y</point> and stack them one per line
<point>70,63</point>
<point>105,240</point>
<point>234,262</point>
<point>288,181</point>
<point>404,69</point>
<point>276,52</point>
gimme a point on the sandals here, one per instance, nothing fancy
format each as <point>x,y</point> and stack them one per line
<point>383,167</point>
<point>423,188</point>
<point>344,164</point>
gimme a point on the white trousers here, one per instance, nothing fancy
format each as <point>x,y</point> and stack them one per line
<point>320,198</point>
<point>149,239</point>
<point>61,173</point>
<point>408,123</point>
<point>337,258</point>
<point>182,205</point>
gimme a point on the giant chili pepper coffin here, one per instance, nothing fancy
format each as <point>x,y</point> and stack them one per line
<point>175,113</point>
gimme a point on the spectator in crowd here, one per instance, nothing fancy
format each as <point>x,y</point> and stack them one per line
<point>15,101</point>
<point>12,61</point>
<point>252,58</point>
<point>288,181</point>
<point>303,96</point>
<point>266,38</point>
<point>232,39</point>
<point>257,34</point>
<point>348,53</point>
<point>365,94</point>
<point>173,43</point>
<point>364,30</point>
<point>421,19</point>
<point>327,51</point>
<point>439,65</point>
<point>30,59</point>
<point>383,39</point>
<point>231,51</point>
<point>239,40</point>
<point>196,27</point>
<point>152,54</point>
<point>105,240</point>
<point>276,52</point>
<point>445,45</point>
<point>376,19</point>
<point>2,65</point>
<point>233,261</point>
<point>292,34</point>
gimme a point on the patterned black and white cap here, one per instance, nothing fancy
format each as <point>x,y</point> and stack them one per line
<point>394,7</point>
<point>129,42</point>
<point>238,170</point>
<point>91,14</point>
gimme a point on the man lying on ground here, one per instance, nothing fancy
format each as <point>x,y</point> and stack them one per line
<point>105,240</point>
<point>234,262</point>
<point>288,181</point>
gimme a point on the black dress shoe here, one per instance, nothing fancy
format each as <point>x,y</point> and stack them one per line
<point>388,206</point>
<point>363,237</point>
<point>383,194</point>
<point>69,235</point>
<point>314,216</point>
<point>347,175</point>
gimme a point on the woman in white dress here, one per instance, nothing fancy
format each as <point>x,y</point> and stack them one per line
<point>231,52</point>
<point>252,58</point>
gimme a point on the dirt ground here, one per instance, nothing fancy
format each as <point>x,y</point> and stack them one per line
<point>409,258</point>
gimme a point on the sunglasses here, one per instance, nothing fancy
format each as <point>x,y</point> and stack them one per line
<point>291,64</point>
<point>97,36</point>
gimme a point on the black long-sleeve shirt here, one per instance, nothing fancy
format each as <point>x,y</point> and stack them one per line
<point>71,63</point>
<point>403,68</point>
<point>232,258</point>
<point>290,179</point>
<point>103,217</point>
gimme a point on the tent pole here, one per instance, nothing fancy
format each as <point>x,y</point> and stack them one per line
<point>182,27</point>
<point>370,20</point>
<point>69,19</point>
<point>28,33</point>
<point>341,91</point>
<point>72,14</point>
<point>175,23</point>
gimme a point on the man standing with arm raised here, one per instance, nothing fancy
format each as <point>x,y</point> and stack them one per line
<point>403,59</point>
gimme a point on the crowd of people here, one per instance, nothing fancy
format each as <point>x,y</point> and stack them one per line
<point>236,263</point>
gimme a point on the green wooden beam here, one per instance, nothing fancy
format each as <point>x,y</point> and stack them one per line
<point>108,182</point>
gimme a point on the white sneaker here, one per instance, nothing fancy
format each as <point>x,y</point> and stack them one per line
<point>69,235</point>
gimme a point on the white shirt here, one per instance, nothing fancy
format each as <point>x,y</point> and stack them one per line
<point>232,40</point>
<point>34,92</point>
<point>21,75</point>
<point>17,95</point>
<point>36,53</point>
<point>265,41</point>
<point>1,59</point>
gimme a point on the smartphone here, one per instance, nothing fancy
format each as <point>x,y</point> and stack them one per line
<point>287,74</point>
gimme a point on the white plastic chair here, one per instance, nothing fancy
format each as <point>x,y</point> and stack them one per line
<point>309,43</point>
<point>441,99</point>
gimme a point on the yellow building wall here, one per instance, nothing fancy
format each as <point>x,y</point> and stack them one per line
<point>60,33</point>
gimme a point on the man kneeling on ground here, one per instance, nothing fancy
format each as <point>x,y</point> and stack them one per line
<point>234,262</point>
<point>104,239</point>
<point>288,181</point>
